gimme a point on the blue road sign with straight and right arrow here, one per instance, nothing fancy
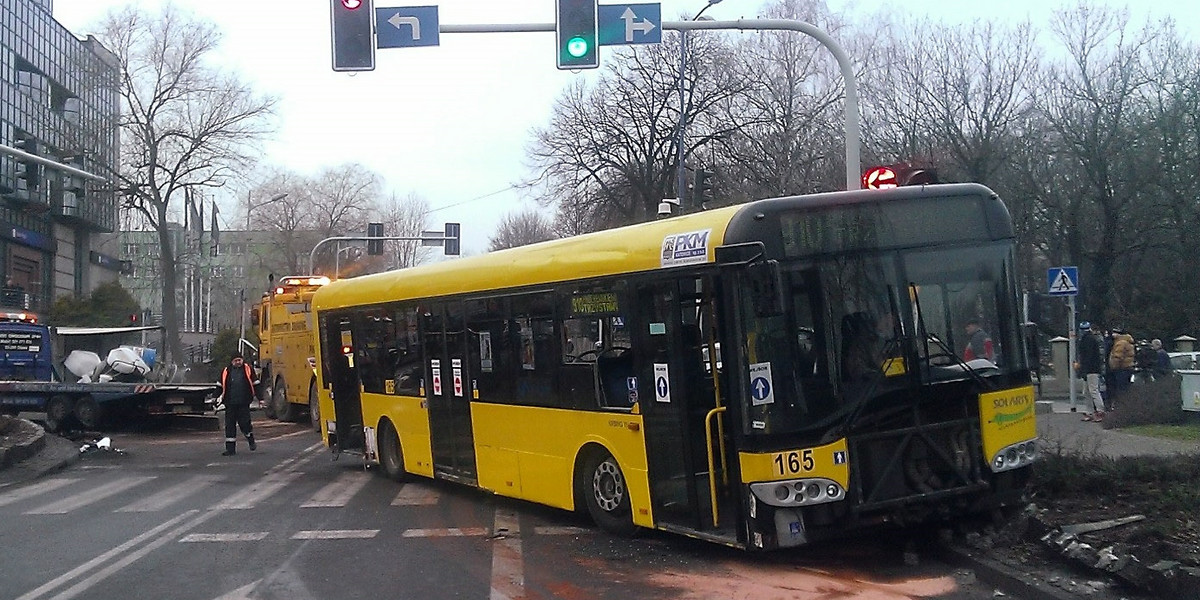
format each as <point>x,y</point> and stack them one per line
<point>1062,281</point>
<point>621,24</point>
<point>406,27</point>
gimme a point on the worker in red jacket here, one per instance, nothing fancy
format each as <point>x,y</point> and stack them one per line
<point>237,392</point>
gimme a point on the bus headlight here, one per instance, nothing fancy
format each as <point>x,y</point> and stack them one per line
<point>798,492</point>
<point>1015,456</point>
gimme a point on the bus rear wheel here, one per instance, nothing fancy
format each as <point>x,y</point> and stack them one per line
<point>391,457</point>
<point>314,407</point>
<point>283,409</point>
<point>58,411</point>
<point>607,496</point>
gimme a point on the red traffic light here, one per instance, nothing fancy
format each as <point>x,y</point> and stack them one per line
<point>133,318</point>
<point>879,178</point>
<point>352,4</point>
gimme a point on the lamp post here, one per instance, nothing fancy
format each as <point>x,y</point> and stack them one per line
<point>250,205</point>
<point>681,130</point>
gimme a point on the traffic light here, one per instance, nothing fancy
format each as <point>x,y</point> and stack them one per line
<point>901,174</point>
<point>133,319</point>
<point>576,34</point>
<point>374,247</point>
<point>28,170</point>
<point>701,187</point>
<point>453,233</point>
<point>353,34</point>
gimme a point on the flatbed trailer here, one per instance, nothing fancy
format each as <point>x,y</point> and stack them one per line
<point>91,404</point>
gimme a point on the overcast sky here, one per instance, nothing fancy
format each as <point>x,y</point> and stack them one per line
<point>451,122</point>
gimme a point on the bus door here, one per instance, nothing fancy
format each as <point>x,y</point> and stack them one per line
<point>679,358</point>
<point>449,393</point>
<point>346,426</point>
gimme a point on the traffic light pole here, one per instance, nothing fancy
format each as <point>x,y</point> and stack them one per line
<point>853,128</point>
<point>362,238</point>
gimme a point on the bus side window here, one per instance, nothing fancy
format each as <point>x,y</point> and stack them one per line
<point>405,353</point>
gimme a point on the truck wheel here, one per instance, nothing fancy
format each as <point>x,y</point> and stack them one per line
<point>314,407</point>
<point>267,399</point>
<point>58,411</point>
<point>283,409</point>
<point>606,493</point>
<point>89,412</point>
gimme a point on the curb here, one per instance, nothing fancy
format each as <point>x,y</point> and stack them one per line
<point>1013,582</point>
<point>33,440</point>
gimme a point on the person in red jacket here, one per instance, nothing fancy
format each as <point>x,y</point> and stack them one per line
<point>237,392</point>
<point>979,343</point>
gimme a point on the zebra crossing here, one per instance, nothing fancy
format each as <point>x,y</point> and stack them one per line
<point>145,493</point>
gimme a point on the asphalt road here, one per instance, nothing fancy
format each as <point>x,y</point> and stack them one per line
<point>168,517</point>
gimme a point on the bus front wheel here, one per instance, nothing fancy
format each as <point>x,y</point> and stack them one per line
<point>607,494</point>
<point>391,457</point>
<point>283,408</point>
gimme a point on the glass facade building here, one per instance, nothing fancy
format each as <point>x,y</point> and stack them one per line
<point>59,101</point>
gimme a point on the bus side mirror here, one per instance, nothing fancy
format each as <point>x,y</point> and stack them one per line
<point>766,284</point>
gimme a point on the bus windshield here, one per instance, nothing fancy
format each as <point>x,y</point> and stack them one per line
<point>857,324</point>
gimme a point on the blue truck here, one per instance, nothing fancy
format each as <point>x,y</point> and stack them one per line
<point>32,380</point>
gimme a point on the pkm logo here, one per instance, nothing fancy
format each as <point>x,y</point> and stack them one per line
<point>685,248</point>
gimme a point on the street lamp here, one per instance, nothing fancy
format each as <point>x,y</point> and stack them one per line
<point>682,128</point>
<point>250,205</point>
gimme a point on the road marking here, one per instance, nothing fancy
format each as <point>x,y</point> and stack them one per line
<point>339,491</point>
<point>415,495</point>
<point>95,562</point>
<point>336,534</point>
<point>124,550</point>
<point>170,495</point>
<point>20,494</point>
<point>259,491</point>
<point>508,563</point>
<point>225,537</point>
<point>554,530</point>
<point>87,497</point>
<point>449,532</point>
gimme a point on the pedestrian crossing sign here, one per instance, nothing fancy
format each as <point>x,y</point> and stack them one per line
<point>1063,281</point>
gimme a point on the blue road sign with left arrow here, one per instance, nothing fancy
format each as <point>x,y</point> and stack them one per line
<point>406,27</point>
<point>622,24</point>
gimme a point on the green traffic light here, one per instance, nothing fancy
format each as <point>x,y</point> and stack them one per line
<point>577,47</point>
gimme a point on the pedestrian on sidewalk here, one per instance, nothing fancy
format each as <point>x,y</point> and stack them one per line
<point>1090,364</point>
<point>1120,364</point>
<point>237,392</point>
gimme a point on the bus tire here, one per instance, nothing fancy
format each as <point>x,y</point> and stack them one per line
<point>89,413</point>
<point>58,412</point>
<point>606,494</point>
<point>391,456</point>
<point>314,407</point>
<point>283,408</point>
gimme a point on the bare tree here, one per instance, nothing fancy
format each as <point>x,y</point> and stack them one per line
<point>791,134</point>
<point>185,124</point>
<point>336,202</point>
<point>1094,104</point>
<point>520,229</point>
<point>613,147</point>
<point>405,216</point>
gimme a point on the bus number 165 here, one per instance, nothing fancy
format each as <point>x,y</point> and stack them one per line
<point>791,463</point>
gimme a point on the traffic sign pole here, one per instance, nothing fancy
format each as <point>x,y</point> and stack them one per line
<point>1071,347</point>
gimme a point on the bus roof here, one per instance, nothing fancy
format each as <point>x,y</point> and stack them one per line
<point>630,249</point>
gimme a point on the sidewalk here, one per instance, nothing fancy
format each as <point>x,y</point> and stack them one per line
<point>1063,429</point>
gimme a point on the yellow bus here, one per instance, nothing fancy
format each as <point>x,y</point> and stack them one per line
<point>287,375</point>
<point>704,374</point>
